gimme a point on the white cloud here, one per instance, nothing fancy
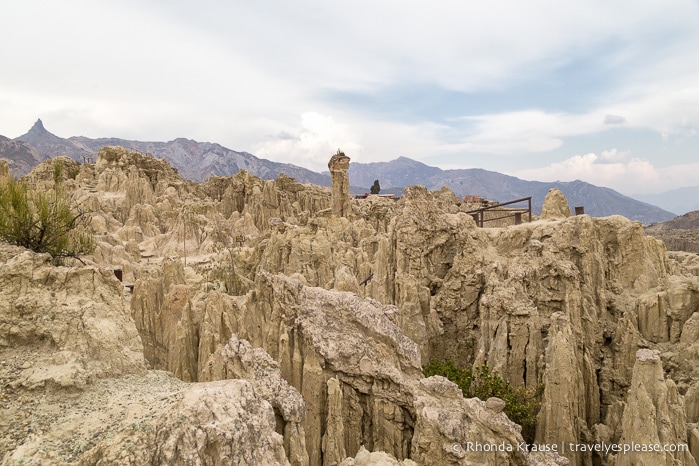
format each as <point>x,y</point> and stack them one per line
<point>523,131</point>
<point>318,136</point>
<point>235,72</point>
<point>616,170</point>
<point>312,145</point>
<point>613,155</point>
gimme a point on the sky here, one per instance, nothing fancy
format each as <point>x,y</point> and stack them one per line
<point>606,92</point>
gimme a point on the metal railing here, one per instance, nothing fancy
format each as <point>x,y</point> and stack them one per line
<point>479,214</point>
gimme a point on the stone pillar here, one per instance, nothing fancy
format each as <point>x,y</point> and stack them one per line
<point>338,165</point>
<point>555,205</point>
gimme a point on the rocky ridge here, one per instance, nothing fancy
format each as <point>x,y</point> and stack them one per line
<point>255,290</point>
<point>680,233</point>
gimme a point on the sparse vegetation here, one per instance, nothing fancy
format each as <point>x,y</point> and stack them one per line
<point>224,268</point>
<point>142,426</point>
<point>224,272</point>
<point>521,404</point>
<point>44,221</point>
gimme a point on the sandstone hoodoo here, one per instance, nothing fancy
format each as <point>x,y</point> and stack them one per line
<point>555,205</point>
<point>338,166</point>
<point>304,343</point>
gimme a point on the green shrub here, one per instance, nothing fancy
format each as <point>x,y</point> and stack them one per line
<point>43,221</point>
<point>521,404</point>
<point>224,272</point>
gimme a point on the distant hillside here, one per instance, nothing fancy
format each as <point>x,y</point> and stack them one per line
<point>680,200</point>
<point>21,157</point>
<point>200,160</point>
<point>680,233</point>
<point>597,201</point>
<point>397,173</point>
<point>688,221</point>
<point>193,160</point>
<point>49,145</point>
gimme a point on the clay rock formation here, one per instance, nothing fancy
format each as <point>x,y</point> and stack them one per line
<point>564,299</point>
<point>334,317</point>
<point>44,175</point>
<point>654,415</point>
<point>216,423</point>
<point>155,419</point>
<point>238,360</point>
<point>63,329</point>
<point>351,363</point>
<point>338,166</point>
<point>76,318</point>
<point>555,205</point>
<point>689,262</point>
<point>245,196</point>
<point>377,458</point>
<point>679,234</point>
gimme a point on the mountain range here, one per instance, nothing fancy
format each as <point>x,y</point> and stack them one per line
<point>679,200</point>
<point>199,160</point>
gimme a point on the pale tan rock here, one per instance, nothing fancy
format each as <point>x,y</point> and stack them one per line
<point>476,296</point>
<point>693,436</point>
<point>238,360</point>
<point>555,205</point>
<point>444,436</point>
<point>77,314</point>
<point>495,404</point>
<point>691,400</point>
<point>376,458</point>
<point>43,176</point>
<point>98,225</point>
<point>216,423</point>
<point>333,439</point>
<point>162,311</point>
<point>654,415</point>
<point>662,315</point>
<point>338,166</point>
<point>258,201</point>
<point>690,330</point>
<point>345,280</point>
<point>563,400</point>
<point>686,261</point>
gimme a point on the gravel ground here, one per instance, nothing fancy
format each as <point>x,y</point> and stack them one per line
<point>66,423</point>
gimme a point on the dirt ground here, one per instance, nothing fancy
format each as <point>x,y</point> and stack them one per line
<point>67,422</point>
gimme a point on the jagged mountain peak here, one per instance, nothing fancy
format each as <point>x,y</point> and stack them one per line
<point>37,132</point>
<point>38,135</point>
<point>38,127</point>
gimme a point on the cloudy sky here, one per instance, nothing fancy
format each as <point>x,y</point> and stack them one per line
<point>606,92</point>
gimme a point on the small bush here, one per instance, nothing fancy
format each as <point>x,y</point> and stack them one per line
<point>224,273</point>
<point>521,404</point>
<point>43,221</point>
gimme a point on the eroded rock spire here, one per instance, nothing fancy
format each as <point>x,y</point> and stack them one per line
<point>338,165</point>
